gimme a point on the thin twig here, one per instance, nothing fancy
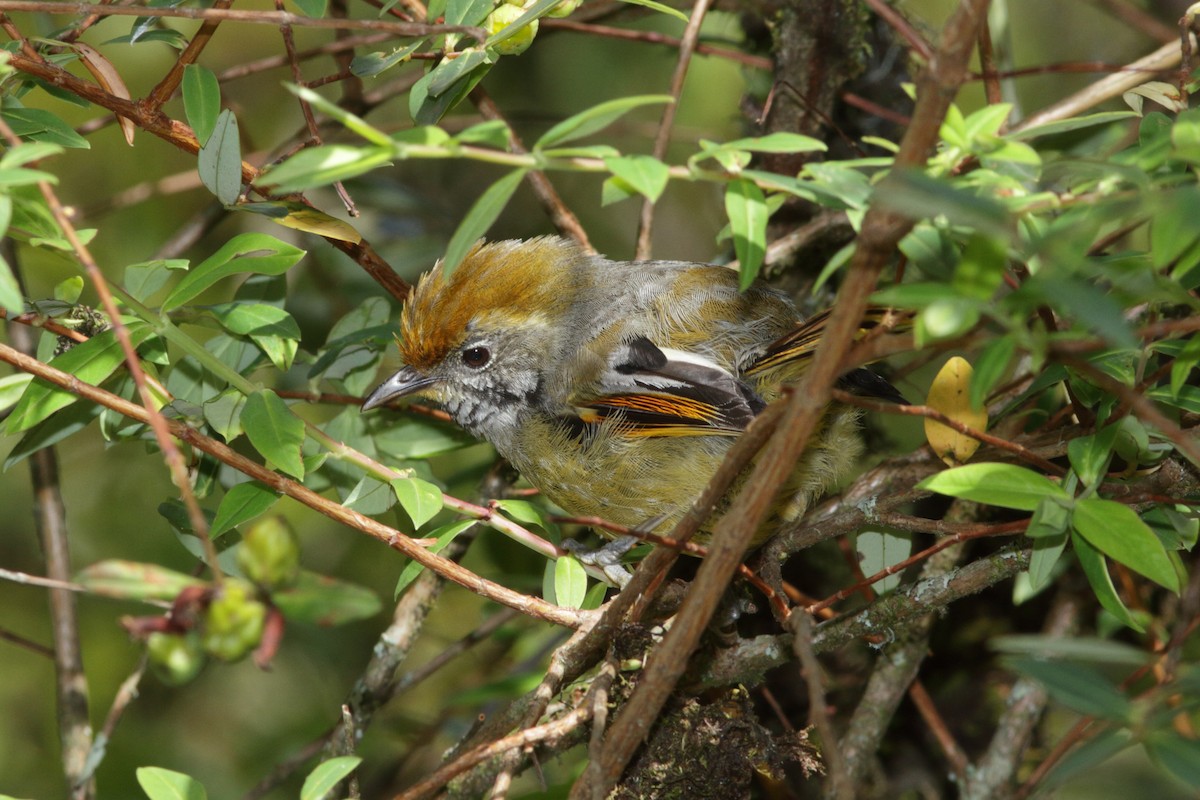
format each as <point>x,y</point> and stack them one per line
<point>662,139</point>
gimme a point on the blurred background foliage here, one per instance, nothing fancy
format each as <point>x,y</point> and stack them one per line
<point>235,722</point>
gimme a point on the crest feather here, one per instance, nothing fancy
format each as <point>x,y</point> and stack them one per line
<point>511,277</point>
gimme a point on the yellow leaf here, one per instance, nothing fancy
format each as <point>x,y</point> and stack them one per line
<point>949,394</point>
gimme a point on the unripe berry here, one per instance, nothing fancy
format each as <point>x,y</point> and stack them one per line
<point>233,623</point>
<point>564,9</point>
<point>500,18</point>
<point>269,554</point>
<point>175,658</point>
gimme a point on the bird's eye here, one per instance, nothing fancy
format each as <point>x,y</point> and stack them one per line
<point>476,357</point>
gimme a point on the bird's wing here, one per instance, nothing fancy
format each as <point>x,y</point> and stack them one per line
<point>792,352</point>
<point>667,392</point>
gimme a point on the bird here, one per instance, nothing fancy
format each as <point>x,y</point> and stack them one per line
<point>616,387</point>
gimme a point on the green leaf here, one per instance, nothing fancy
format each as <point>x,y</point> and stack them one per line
<point>481,216</point>
<point>879,550</point>
<point>467,12</point>
<point>247,252</point>
<point>319,600</point>
<point>274,431</point>
<point>1178,756</point>
<point>426,109</point>
<point>201,100</point>
<point>41,126</point>
<point>659,7</point>
<point>1116,530</point>
<point>256,319</point>
<point>1089,649</point>
<point>1077,686</point>
<point>406,438</point>
<point>916,195</point>
<point>325,164</point>
<point>322,780</point>
<point>220,160</point>
<point>525,513</point>
<point>779,142</point>
<point>28,152</point>
<point>132,580</point>
<point>1068,125</point>
<point>242,503</point>
<point>990,367</point>
<point>645,174</point>
<point>489,133</point>
<point>144,279</point>
<point>312,8</point>
<point>747,210</point>
<point>52,430</point>
<point>449,72</point>
<point>11,389</point>
<point>91,362</point>
<point>165,784</point>
<point>368,65</point>
<point>1092,753</point>
<point>570,582</point>
<point>595,119</point>
<point>10,292</point>
<point>420,499</point>
<point>442,536</point>
<point>1090,454</point>
<point>224,413</point>
<point>1004,485</point>
<point>1096,570</point>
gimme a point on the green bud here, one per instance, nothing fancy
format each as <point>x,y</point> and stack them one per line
<point>500,18</point>
<point>564,9</point>
<point>233,623</point>
<point>269,554</point>
<point>175,658</point>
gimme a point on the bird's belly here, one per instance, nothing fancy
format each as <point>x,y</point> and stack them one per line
<point>637,480</point>
<point>626,480</point>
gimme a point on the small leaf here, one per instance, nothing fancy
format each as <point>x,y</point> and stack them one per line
<point>747,210</point>
<point>525,513</point>
<point>949,393</point>
<point>1178,756</point>
<point>990,367</point>
<point>274,431</point>
<point>442,536</point>
<point>1116,530</point>
<point>481,216</point>
<point>570,582</point>
<point>314,9</point>
<point>37,125</point>
<point>242,503</point>
<point>880,549</point>
<point>368,65</point>
<point>659,7</point>
<point>132,580</point>
<point>246,319</point>
<point>1090,454</point>
<point>91,362</point>
<point>420,499</point>
<point>595,119</point>
<point>325,164</point>
<point>165,784</point>
<point>322,780</point>
<point>1004,485</point>
<point>1096,570</point>
<point>220,160</point>
<point>247,252</point>
<point>298,216</point>
<point>452,70</point>
<point>1077,686</point>
<point>319,600</point>
<point>10,291</point>
<point>645,174</point>
<point>201,100</point>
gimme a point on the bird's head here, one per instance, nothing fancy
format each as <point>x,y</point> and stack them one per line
<point>480,341</point>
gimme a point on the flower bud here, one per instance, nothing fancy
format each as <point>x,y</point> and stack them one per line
<point>233,623</point>
<point>175,658</point>
<point>269,553</point>
<point>500,18</point>
<point>564,9</point>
